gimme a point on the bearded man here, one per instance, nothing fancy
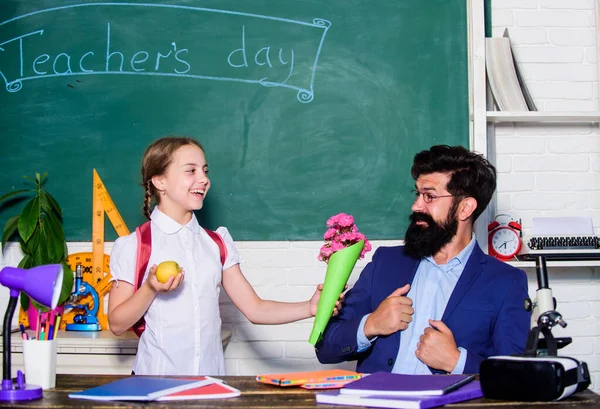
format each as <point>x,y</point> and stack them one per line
<point>438,304</point>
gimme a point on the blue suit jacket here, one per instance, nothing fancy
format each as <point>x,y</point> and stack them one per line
<point>485,312</point>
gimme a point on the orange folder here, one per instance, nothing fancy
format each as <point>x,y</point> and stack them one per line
<point>301,378</point>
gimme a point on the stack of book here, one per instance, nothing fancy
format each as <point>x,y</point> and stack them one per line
<point>504,77</point>
<point>388,390</point>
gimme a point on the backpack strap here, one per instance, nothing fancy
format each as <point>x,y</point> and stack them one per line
<point>219,240</point>
<point>144,249</point>
<point>143,234</point>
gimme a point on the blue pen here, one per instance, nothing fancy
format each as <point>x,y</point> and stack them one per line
<point>24,334</point>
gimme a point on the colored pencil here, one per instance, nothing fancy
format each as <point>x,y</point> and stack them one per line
<point>23,333</point>
<point>39,323</point>
<point>56,326</point>
<point>47,327</point>
<point>52,318</point>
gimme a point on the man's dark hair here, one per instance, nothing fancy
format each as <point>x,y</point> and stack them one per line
<point>471,175</point>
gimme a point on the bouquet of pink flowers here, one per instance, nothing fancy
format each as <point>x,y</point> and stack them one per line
<point>344,245</point>
<point>341,233</point>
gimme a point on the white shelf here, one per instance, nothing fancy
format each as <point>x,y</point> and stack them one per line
<point>570,263</point>
<point>537,116</point>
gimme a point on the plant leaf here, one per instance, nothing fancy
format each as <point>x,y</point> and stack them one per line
<point>23,245</point>
<point>14,193</point>
<point>52,218</point>
<point>9,229</point>
<point>44,203</point>
<point>55,236</point>
<point>26,262</point>
<point>31,246</point>
<point>55,204</point>
<point>46,244</point>
<point>41,235</point>
<point>29,219</point>
<point>39,306</point>
<point>24,301</point>
<point>67,284</point>
<point>38,258</point>
<point>49,204</point>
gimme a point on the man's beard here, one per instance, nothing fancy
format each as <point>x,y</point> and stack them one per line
<point>424,241</point>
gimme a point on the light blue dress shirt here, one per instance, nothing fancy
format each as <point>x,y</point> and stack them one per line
<point>435,283</point>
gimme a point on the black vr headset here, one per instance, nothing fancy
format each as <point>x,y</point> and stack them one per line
<point>522,378</point>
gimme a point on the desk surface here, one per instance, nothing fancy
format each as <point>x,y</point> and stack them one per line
<point>256,395</point>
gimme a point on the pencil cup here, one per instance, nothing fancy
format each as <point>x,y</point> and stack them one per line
<point>40,362</point>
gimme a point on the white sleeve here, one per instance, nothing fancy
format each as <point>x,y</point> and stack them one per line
<point>233,257</point>
<point>122,259</point>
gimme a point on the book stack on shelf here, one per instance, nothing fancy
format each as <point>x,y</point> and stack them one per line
<point>504,78</point>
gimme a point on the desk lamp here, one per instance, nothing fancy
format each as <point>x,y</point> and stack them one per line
<point>43,284</point>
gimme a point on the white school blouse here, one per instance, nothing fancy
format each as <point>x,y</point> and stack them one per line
<point>183,327</point>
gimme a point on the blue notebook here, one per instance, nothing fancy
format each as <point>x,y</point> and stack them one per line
<point>140,388</point>
<point>471,390</point>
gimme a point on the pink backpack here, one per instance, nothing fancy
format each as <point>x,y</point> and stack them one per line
<point>144,249</point>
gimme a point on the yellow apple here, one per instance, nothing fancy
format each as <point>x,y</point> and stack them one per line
<point>167,269</point>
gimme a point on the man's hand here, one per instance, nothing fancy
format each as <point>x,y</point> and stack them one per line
<point>393,314</point>
<point>437,347</point>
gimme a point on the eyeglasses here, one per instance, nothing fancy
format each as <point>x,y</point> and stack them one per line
<point>427,197</point>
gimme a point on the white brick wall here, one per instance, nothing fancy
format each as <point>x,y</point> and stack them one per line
<point>554,169</point>
<point>544,170</point>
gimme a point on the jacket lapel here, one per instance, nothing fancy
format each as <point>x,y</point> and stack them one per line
<point>406,274</point>
<point>410,268</point>
<point>468,276</point>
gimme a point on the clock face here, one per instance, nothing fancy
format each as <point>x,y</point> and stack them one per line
<point>506,242</point>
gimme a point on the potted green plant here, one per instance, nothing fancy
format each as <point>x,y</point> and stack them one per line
<point>39,230</point>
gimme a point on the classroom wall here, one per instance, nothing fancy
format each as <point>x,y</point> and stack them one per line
<point>544,170</point>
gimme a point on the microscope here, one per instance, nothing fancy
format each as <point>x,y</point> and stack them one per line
<point>88,320</point>
<point>544,317</point>
<point>538,374</point>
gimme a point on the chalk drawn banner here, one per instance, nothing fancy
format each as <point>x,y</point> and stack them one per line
<point>194,42</point>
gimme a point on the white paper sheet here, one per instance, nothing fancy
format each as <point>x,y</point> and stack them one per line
<point>573,226</point>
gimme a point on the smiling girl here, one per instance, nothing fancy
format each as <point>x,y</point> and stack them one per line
<point>183,324</point>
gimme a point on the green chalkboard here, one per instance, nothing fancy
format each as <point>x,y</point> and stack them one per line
<point>305,108</point>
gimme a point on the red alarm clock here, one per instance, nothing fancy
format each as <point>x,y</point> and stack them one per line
<point>504,237</point>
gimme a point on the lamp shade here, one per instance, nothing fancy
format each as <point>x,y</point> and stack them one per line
<point>42,283</point>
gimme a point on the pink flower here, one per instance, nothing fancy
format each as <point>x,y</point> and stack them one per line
<point>340,220</point>
<point>341,233</point>
<point>329,234</point>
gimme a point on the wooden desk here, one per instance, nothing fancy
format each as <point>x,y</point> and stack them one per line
<point>256,395</point>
